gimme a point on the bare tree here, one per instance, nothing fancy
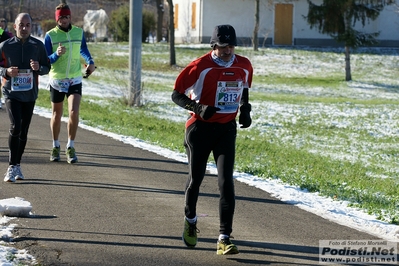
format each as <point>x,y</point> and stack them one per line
<point>172,52</point>
<point>256,28</point>
<point>21,3</point>
<point>8,9</point>
<point>160,11</point>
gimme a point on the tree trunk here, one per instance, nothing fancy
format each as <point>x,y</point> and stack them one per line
<point>348,76</point>
<point>256,28</point>
<point>21,3</point>
<point>172,53</point>
<point>160,10</point>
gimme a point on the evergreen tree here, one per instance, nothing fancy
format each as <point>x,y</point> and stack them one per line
<point>338,18</point>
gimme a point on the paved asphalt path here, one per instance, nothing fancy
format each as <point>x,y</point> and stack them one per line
<point>121,205</point>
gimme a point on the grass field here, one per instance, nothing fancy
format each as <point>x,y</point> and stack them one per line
<point>310,127</point>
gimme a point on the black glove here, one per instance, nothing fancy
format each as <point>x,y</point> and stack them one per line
<point>87,72</point>
<point>204,111</point>
<point>245,117</point>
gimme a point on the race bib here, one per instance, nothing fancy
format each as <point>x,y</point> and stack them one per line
<point>22,82</point>
<point>228,96</point>
<point>63,85</point>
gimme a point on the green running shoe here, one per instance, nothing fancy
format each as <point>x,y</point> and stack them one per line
<point>225,247</point>
<point>71,155</point>
<point>55,154</point>
<point>190,234</point>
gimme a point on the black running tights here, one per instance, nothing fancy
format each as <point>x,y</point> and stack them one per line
<point>20,114</point>
<point>202,138</point>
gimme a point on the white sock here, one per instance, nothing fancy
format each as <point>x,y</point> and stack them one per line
<point>56,143</point>
<point>221,236</point>
<point>192,221</point>
<point>70,144</point>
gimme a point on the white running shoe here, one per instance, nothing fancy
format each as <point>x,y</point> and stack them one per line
<point>18,173</point>
<point>0,104</point>
<point>10,174</point>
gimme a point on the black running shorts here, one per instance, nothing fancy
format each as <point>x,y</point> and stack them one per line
<point>57,96</point>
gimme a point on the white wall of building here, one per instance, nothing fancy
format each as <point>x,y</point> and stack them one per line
<point>241,15</point>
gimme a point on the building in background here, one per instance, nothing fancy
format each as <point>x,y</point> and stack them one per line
<point>281,22</point>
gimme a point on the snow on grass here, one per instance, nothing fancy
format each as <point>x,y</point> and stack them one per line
<point>375,73</point>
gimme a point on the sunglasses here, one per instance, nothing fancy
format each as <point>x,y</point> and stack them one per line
<point>62,17</point>
<point>3,20</point>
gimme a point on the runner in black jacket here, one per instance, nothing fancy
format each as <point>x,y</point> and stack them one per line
<point>25,58</point>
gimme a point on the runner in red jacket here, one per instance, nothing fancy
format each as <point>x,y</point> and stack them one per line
<point>213,88</point>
